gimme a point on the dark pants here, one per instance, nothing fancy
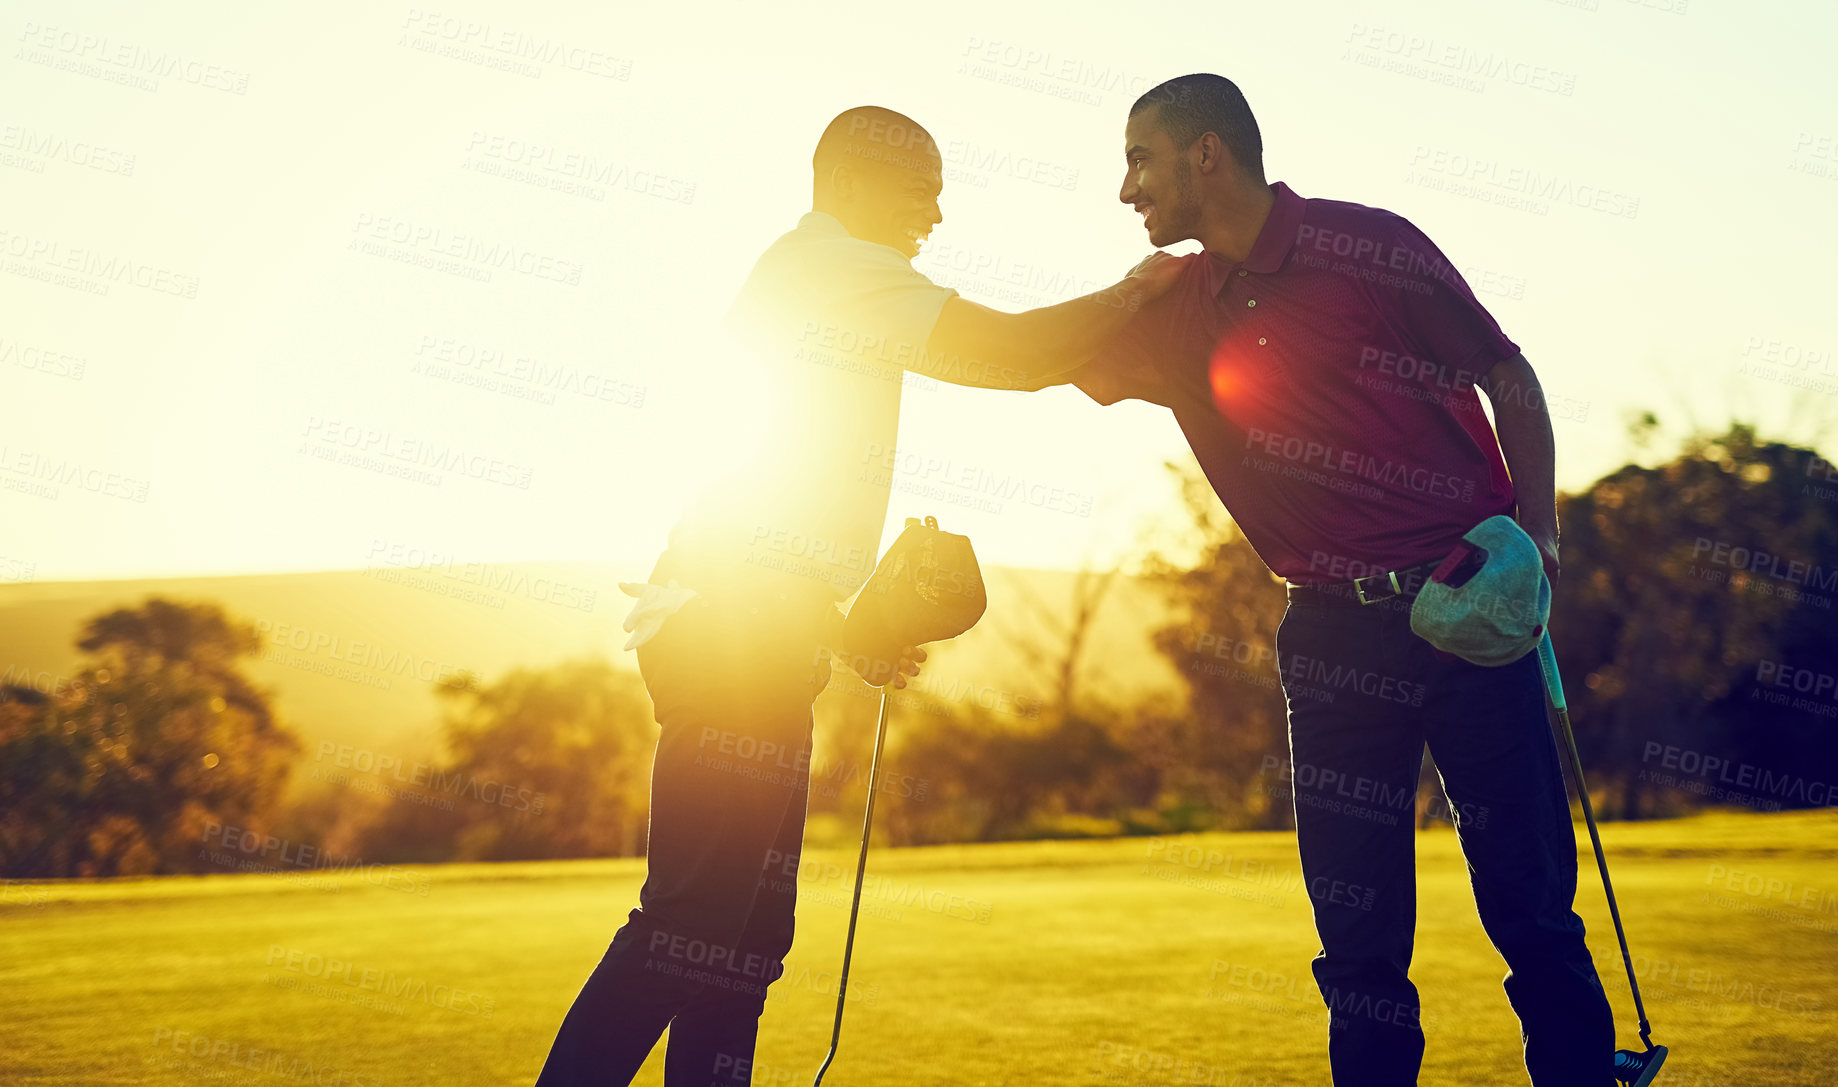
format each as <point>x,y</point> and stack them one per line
<point>1365,694</point>
<point>733,690</point>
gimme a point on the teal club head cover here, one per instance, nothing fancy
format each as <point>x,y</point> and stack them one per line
<point>1489,600</point>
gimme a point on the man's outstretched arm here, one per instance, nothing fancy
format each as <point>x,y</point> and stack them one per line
<point>988,349</point>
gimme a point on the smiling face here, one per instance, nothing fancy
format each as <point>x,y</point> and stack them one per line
<point>1158,180</point>
<point>880,175</point>
<point>897,203</point>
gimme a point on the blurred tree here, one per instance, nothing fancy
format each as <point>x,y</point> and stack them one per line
<point>1057,654</point>
<point>1687,587</point>
<point>1062,769</point>
<point>1224,607</point>
<point>159,735</point>
<point>1089,768</point>
<point>987,778</point>
<point>542,763</point>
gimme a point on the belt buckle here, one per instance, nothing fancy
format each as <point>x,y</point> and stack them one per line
<point>1359,587</point>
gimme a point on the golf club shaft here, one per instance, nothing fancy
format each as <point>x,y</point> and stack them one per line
<point>861,868</point>
<point>1554,687</point>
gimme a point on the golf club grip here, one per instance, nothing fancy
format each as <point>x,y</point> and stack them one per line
<point>1547,663</point>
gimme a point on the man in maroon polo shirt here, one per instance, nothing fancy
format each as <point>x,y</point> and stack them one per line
<point>1322,359</point>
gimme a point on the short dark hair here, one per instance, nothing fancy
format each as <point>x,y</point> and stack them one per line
<point>1192,105</point>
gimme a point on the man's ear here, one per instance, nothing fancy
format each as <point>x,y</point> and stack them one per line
<point>1212,152</point>
<point>843,181</point>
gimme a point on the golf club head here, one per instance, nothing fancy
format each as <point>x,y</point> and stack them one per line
<point>1638,1069</point>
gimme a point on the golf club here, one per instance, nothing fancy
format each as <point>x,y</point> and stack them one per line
<point>861,866</point>
<point>926,588</point>
<point>1635,1069</point>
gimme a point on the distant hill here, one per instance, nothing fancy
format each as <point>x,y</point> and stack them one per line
<point>352,656</point>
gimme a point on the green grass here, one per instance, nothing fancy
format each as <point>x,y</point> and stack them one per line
<point>1090,958</point>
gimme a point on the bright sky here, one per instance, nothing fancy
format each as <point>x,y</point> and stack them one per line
<point>314,226</point>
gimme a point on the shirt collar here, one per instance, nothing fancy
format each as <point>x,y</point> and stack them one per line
<point>823,222</point>
<point>1274,240</point>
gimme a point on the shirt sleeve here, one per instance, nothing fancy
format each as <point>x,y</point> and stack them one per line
<point>1431,306</point>
<point>843,295</point>
<point>883,295</point>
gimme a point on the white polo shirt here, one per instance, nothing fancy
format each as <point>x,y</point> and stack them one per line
<point>834,321</point>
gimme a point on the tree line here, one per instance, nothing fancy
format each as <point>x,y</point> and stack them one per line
<point>1694,624</point>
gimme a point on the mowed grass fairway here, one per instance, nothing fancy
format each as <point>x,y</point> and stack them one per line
<point>1135,961</point>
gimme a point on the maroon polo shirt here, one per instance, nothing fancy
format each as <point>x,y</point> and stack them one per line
<point>1326,385</point>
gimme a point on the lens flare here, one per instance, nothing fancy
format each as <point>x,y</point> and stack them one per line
<point>1230,377</point>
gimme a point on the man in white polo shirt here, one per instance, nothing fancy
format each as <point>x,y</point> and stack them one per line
<point>732,628</point>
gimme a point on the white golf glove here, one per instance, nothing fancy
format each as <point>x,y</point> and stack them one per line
<point>655,603</point>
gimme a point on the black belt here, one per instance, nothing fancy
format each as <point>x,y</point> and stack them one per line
<point>1376,588</point>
